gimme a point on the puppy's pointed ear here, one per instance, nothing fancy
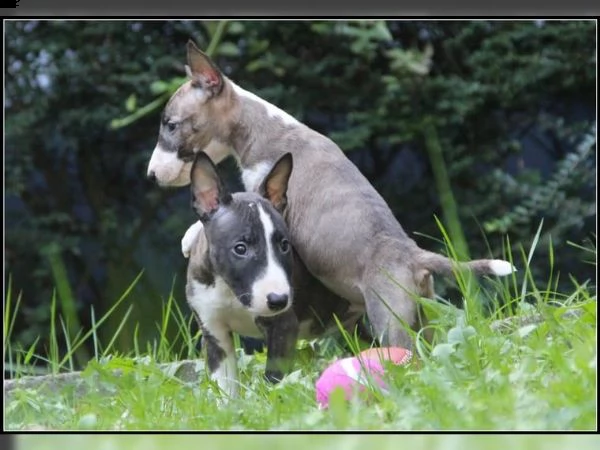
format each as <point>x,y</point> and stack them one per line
<point>202,71</point>
<point>274,186</point>
<point>207,189</point>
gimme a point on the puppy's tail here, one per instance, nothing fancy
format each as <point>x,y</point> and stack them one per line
<point>442,265</point>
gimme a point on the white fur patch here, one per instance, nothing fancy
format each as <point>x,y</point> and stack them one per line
<point>210,301</point>
<point>168,168</point>
<point>272,110</point>
<point>274,279</point>
<point>218,305</point>
<point>501,268</point>
<point>253,176</point>
<point>190,237</point>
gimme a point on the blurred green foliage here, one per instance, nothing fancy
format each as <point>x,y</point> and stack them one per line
<point>352,441</point>
<point>511,103</point>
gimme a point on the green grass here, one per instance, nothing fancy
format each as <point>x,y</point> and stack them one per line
<point>316,442</point>
<point>537,377</point>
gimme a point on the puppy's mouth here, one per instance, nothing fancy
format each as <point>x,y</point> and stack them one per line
<point>268,314</point>
<point>167,169</point>
<point>182,179</point>
<point>264,311</point>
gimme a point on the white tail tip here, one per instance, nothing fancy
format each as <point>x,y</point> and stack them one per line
<point>501,268</point>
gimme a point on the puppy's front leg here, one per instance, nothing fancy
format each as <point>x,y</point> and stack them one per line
<point>281,334</point>
<point>221,359</point>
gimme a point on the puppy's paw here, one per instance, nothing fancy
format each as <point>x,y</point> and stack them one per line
<point>190,237</point>
<point>273,376</point>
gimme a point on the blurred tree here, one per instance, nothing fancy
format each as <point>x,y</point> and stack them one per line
<point>509,104</point>
<point>75,189</point>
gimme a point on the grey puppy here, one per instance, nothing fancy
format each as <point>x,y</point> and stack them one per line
<point>340,226</point>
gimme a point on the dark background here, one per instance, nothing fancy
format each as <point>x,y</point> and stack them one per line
<point>511,103</point>
<point>269,8</point>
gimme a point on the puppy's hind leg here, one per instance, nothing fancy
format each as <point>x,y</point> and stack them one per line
<point>392,308</point>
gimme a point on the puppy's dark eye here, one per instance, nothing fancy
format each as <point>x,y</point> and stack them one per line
<point>240,249</point>
<point>171,126</point>
<point>284,245</point>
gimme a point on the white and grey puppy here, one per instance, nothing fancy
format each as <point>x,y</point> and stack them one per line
<point>245,277</point>
<point>239,275</point>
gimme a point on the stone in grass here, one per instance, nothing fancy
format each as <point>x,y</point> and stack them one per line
<point>88,421</point>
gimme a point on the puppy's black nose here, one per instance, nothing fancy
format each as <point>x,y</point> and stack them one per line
<point>152,176</point>
<point>276,302</point>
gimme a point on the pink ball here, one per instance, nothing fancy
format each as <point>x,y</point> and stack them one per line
<point>354,374</point>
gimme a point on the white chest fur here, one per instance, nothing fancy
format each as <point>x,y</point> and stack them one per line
<point>253,176</point>
<point>218,306</point>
